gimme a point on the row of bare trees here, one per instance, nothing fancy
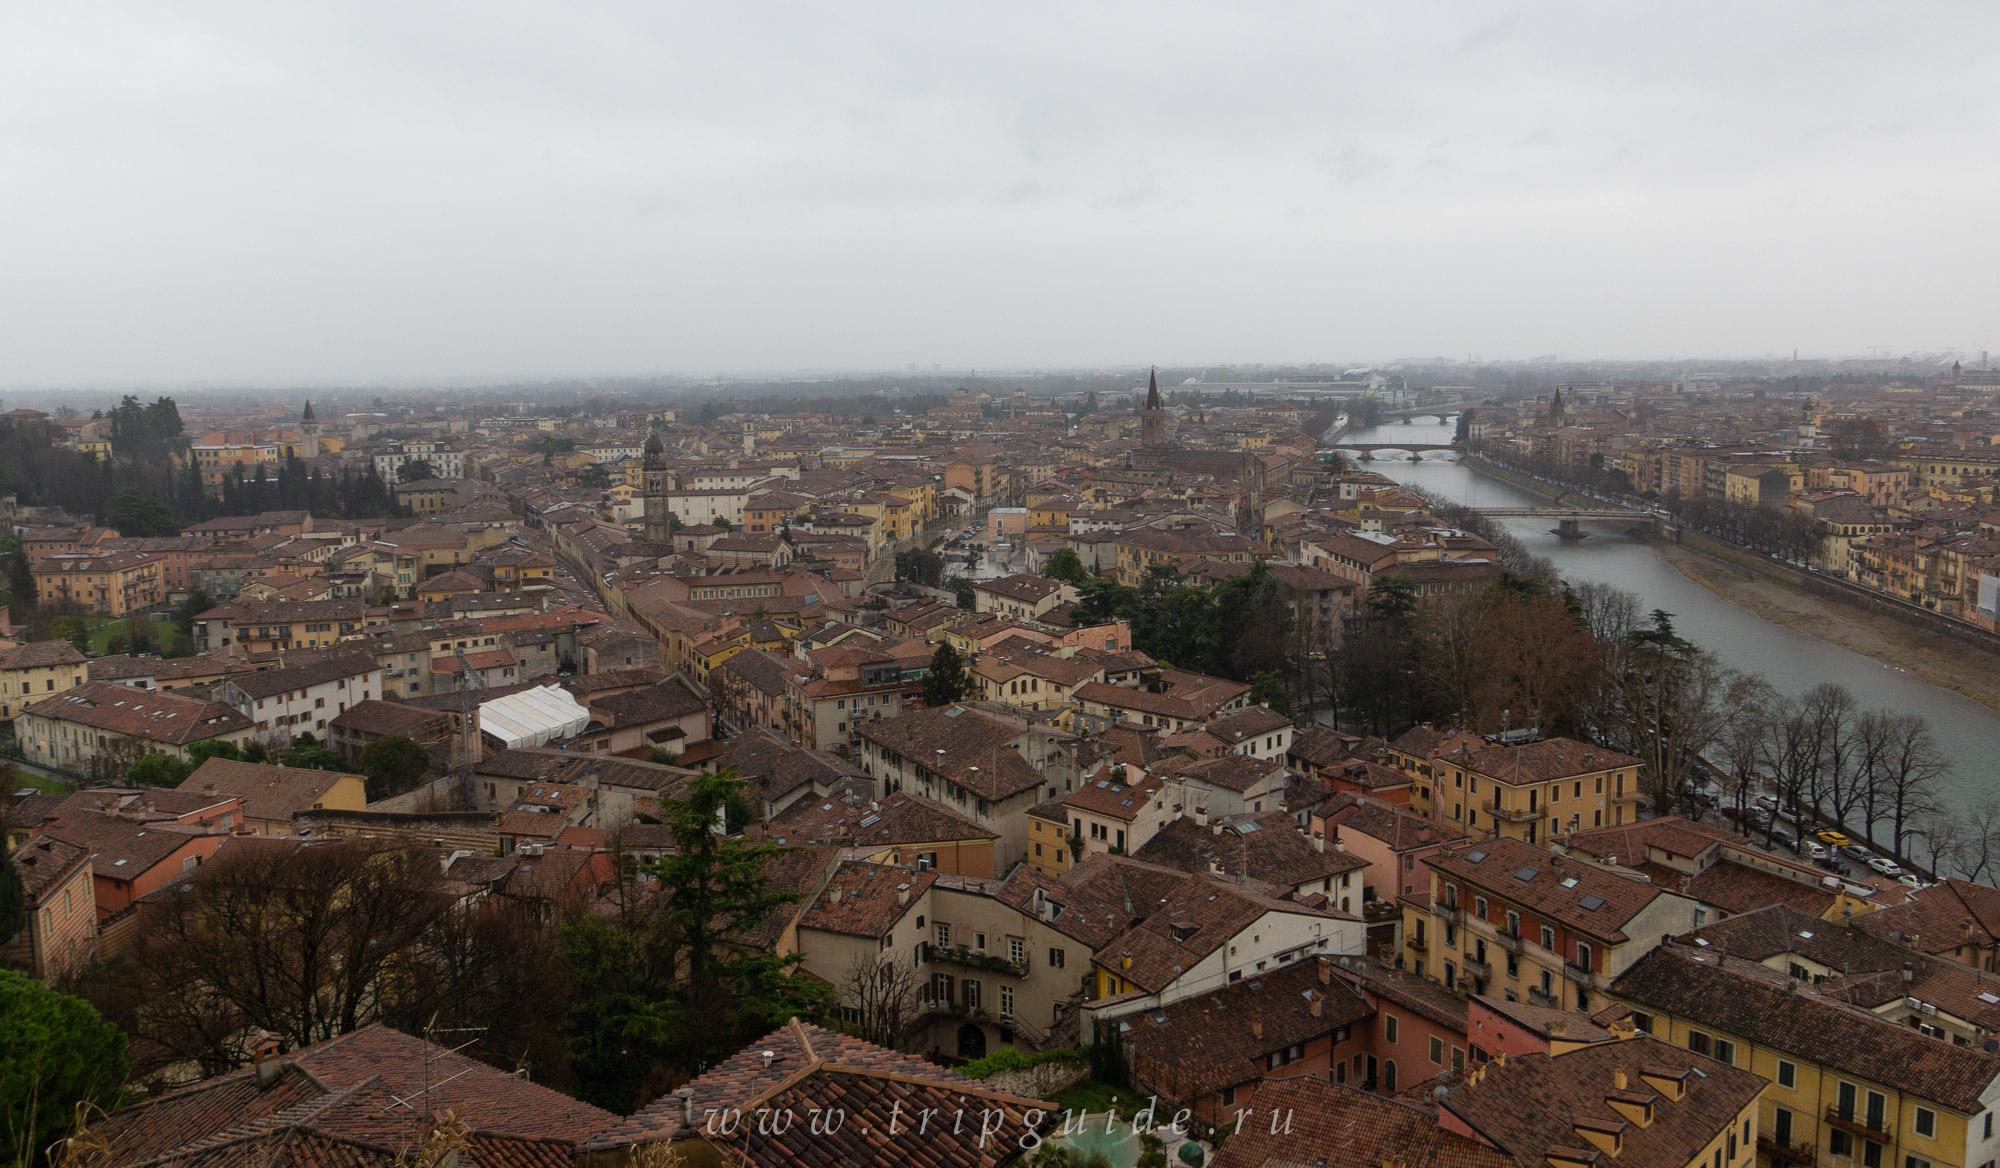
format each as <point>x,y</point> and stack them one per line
<point>1879,772</point>
<point>312,941</point>
<point>1584,661</point>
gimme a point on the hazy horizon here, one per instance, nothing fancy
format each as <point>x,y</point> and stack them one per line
<point>229,196</point>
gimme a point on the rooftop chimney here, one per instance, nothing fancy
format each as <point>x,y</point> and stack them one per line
<point>264,1047</point>
<point>1319,841</point>
<point>1316,1006</point>
<point>1618,1079</point>
<point>1256,1028</point>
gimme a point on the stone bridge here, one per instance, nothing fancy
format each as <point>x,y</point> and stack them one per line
<point>1414,449</point>
<point>1568,519</point>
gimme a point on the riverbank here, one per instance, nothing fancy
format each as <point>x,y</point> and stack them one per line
<point>1934,657</point>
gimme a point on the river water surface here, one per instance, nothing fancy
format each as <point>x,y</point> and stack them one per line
<point>1969,733</point>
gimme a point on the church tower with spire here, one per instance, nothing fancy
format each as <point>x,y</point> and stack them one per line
<point>308,433</point>
<point>653,482</point>
<point>1153,419</point>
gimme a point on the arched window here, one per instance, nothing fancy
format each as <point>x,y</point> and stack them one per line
<point>1389,1077</point>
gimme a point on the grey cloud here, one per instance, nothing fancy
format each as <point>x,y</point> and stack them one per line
<point>238,192</point>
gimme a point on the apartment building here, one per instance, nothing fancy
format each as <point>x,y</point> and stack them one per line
<point>1022,596</point>
<point>71,728</point>
<point>107,585</point>
<point>1515,921</point>
<point>1191,934</point>
<point>986,766</point>
<point>1631,1100</point>
<point>36,670</point>
<point>266,626</point>
<point>60,935</point>
<point>831,695</point>
<point>1533,791</point>
<point>285,703</point>
<point>1846,1089</point>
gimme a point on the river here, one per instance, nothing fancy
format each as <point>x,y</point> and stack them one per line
<point>1967,732</point>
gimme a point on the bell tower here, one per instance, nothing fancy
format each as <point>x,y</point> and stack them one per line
<point>309,433</point>
<point>653,482</point>
<point>1153,419</point>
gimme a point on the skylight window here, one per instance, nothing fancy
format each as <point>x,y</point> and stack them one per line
<point>1569,882</point>
<point>1592,903</point>
<point>1527,874</point>
<point>1474,856</point>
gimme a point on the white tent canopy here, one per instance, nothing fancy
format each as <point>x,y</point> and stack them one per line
<point>533,717</point>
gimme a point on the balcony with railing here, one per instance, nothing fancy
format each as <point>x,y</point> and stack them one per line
<point>1476,967</point>
<point>1790,1153</point>
<point>1512,815</point>
<point>1868,1127</point>
<point>974,959</point>
<point>1545,1001</point>
<point>1509,941</point>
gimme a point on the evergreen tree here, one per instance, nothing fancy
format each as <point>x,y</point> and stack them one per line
<point>713,891</point>
<point>946,681</point>
<point>1066,566</point>
<point>13,899</point>
<point>21,583</point>
<point>158,769</point>
<point>394,764</point>
<point>57,1053</point>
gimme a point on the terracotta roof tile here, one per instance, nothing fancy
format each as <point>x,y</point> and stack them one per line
<point>1267,846</point>
<point>1337,1125</point>
<point>1533,1105</point>
<point>866,900</point>
<point>137,713</point>
<point>875,1089</point>
<point>1224,1039</point>
<point>1685,983</point>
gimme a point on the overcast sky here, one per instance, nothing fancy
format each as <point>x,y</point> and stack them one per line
<point>296,192</point>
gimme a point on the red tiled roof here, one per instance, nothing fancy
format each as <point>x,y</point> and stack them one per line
<point>812,1069</point>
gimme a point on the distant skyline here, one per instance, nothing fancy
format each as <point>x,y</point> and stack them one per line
<point>354,194</point>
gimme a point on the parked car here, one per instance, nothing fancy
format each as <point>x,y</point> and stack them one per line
<point>1831,864</point>
<point>1784,839</point>
<point>1886,866</point>
<point>1833,838</point>
<point>1767,802</point>
<point>1857,853</point>
<point>1910,881</point>
<point>1816,850</point>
